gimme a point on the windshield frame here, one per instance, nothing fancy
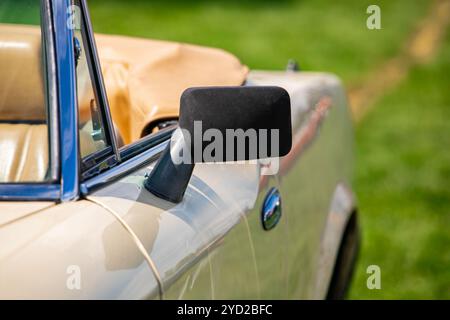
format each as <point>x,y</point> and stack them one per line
<point>48,190</point>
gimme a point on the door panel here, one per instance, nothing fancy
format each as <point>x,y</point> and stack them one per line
<point>234,268</point>
<point>309,187</point>
<point>179,237</point>
<point>307,197</point>
<point>42,252</point>
<point>270,246</point>
<point>320,159</point>
<point>195,283</point>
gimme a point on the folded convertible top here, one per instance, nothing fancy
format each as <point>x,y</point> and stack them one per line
<point>145,78</point>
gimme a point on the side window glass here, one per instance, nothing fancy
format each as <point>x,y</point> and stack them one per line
<point>24,142</point>
<point>91,126</point>
<point>132,71</point>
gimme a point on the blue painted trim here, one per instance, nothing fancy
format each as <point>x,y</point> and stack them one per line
<point>68,114</point>
<point>29,192</point>
<point>35,191</point>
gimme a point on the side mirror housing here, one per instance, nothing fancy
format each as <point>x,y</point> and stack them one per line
<point>222,124</point>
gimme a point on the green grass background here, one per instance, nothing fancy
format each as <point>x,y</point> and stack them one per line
<point>402,177</point>
<point>403,186</point>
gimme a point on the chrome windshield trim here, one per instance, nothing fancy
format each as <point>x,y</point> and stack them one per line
<point>98,77</point>
<point>52,92</point>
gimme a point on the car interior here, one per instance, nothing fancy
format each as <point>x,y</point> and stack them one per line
<point>23,125</point>
<point>23,118</point>
<point>139,77</point>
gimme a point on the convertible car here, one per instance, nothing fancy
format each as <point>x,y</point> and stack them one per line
<point>92,205</point>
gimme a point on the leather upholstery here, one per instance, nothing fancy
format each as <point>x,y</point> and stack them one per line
<point>21,81</point>
<point>144,78</point>
<point>23,147</point>
<point>144,81</point>
<point>24,152</point>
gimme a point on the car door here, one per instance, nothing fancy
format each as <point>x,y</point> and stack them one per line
<point>179,241</point>
<point>313,180</point>
<point>295,259</point>
<point>271,247</point>
<point>52,246</point>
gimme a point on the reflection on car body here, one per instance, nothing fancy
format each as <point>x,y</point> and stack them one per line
<point>81,139</point>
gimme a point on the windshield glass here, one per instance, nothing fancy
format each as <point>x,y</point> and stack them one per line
<point>24,147</point>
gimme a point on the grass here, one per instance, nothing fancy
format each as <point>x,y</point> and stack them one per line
<point>20,11</point>
<point>403,185</point>
<point>319,34</point>
<point>403,156</point>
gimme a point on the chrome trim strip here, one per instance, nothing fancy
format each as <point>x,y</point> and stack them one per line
<point>51,86</point>
<point>122,169</point>
<point>147,142</point>
<point>98,78</point>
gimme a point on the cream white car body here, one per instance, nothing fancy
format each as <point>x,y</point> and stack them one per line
<point>121,242</point>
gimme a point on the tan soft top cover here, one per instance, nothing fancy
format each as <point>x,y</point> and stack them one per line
<point>145,78</point>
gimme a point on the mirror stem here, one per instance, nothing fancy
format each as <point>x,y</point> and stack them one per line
<point>167,180</point>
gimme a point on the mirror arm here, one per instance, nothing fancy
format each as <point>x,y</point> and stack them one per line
<point>253,107</point>
<point>167,180</point>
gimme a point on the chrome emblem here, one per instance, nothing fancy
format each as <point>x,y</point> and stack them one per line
<point>271,209</point>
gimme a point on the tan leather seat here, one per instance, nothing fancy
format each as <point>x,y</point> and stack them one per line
<point>144,80</point>
<point>23,146</point>
<point>21,81</point>
<point>23,152</point>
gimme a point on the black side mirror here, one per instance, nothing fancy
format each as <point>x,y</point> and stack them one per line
<point>219,124</point>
